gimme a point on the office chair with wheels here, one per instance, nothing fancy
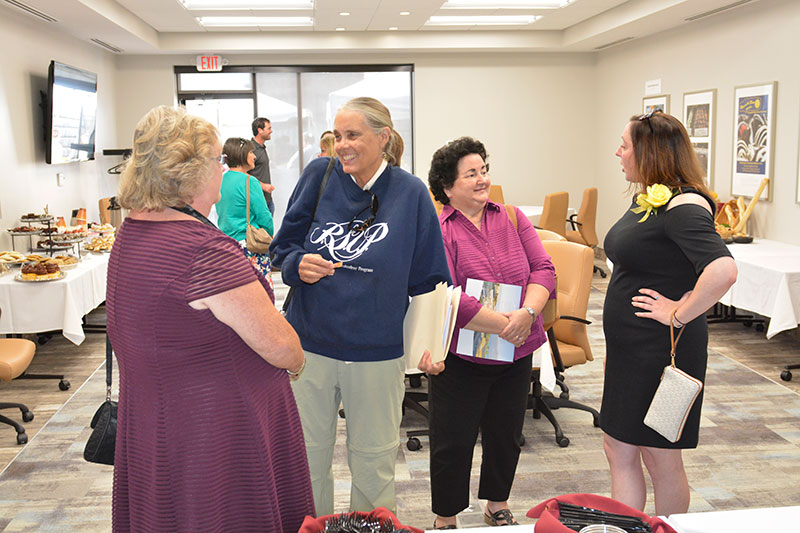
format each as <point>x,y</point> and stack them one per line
<point>568,338</point>
<point>583,224</point>
<point>15,356</point>
<point>554,213</point>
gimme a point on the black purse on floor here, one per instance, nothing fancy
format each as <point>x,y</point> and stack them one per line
<point>100,446</point>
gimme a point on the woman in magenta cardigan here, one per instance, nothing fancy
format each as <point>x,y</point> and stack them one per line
<point>471,394</point>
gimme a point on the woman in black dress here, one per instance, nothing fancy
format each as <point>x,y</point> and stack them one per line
<point>667,257</point>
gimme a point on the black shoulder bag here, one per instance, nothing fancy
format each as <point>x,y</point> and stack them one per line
<point>311,221</point>
<point>100,447</point>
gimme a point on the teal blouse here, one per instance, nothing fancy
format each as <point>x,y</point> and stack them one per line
<point>231,207</point>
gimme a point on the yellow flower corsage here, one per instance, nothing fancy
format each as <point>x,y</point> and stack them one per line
<point>657,195</point>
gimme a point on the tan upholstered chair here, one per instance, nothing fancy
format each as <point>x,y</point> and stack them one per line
<point>568,338</point>
<point>15,356</point>
<point>583,223</point>
<point>105,214</point>
<point>496,194</point>
<point>546,235</point>
<point>554,213</point>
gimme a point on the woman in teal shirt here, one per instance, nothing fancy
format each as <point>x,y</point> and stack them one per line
<point>232,207</point>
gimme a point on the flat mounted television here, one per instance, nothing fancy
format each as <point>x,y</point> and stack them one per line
<point>70,114</point>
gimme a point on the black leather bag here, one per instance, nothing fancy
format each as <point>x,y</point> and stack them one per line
<point>101,443</point>
<point>322,185</point>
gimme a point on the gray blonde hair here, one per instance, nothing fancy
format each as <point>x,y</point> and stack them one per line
<point>377,117</point>
<point>169,165</point>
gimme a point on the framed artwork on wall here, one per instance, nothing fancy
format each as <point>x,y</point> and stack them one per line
<point>658,102</point>
<point>753,138</point>
<point>699,116</point>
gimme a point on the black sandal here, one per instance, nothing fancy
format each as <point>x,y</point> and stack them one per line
<point>443,527</point>
<point>504,515</point>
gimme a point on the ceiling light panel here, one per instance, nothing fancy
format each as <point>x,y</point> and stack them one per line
<point>254,22</point>
<point>200,5</point>
<point>489,20</point>
<point>505,4</point>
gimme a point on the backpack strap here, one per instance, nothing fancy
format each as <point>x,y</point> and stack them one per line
<point>512,215</point>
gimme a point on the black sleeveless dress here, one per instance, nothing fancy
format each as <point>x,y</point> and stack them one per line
<point>666,253</point>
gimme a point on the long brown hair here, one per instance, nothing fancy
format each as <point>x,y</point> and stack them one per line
<point>664,153</point>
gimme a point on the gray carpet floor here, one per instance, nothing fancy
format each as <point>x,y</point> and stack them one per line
<point>749,453</point>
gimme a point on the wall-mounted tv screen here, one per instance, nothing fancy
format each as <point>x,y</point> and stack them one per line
<point>71,114</point>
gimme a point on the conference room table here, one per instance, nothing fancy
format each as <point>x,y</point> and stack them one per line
<point>768,283</point>
<point>36,307</point>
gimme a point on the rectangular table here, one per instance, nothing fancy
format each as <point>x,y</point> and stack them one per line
<point>533,212</point>
<point>768,282</point>
<point>738,521</point>
<point>34,307</point>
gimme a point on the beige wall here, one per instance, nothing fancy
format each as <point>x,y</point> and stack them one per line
<point>523,107</point>
<point>27,183</point>
<point>752,44</point>
<point>550,121</point>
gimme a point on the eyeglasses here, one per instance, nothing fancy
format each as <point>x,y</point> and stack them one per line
<point>223,159</point>
<point>357,226</point>
<point>648,116</point>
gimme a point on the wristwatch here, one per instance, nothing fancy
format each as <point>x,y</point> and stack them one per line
<point>530,312</point>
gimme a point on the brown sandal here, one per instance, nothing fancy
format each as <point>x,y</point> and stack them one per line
<point>503,515</point>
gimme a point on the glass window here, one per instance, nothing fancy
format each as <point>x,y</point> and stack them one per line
<point>215,81</point>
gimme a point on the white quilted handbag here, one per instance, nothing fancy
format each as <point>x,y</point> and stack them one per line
<point>674,397</point>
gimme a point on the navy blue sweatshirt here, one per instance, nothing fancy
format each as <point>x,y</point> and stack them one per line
<point>357,314</point>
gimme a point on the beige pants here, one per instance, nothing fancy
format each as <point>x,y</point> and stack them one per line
<point>372,396</point>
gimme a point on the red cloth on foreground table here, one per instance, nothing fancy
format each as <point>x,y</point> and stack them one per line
<point>315,525</point>
<point>547,512</point>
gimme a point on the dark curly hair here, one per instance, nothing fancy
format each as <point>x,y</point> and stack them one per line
<point>444,165</point>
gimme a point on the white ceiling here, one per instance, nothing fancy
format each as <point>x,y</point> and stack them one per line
<point>166,27</point>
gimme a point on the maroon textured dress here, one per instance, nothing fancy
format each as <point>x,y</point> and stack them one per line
<point>209,438</point>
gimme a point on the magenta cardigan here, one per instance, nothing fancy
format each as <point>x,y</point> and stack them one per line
<point>497,252</point>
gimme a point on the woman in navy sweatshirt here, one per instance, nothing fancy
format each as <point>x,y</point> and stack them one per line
<point>373,241</point>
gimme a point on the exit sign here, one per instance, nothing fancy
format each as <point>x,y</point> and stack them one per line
<point>209,63</point>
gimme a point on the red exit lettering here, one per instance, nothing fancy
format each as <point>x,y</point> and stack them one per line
<point>209,63</point>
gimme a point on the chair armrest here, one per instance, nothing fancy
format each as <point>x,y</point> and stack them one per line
<point>576,319</point>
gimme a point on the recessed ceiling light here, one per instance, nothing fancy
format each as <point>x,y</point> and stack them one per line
<point>488,20</point>
<point>345,13</point>
<point>505,4</point>
<point>248,4</point>
<point>405,13</point>
<point>340,29</point>
<point>254,21</point>
<point>393,28</point>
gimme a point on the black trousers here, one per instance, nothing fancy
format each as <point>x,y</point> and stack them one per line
<point>465,398</point>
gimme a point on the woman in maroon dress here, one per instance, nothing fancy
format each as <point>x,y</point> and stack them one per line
<point>209,437</point>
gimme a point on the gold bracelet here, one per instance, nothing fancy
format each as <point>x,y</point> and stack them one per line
<point>296,374</point>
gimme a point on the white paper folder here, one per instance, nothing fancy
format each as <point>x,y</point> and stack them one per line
<point>429,324</point>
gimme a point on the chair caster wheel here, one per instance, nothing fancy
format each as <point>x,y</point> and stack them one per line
<point>22,438</point>
<point>522,440</point>
<point>341,413</point>
<point>415,381</point>
<point>759,327</point>
<point>27,416</point>
<point>413,444</point>
<point>564,396</point>
<point>63,384</point>
<point>563,441</point>
<point>786,375</point>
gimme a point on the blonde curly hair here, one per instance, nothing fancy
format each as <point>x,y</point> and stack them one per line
<point>169,165</point>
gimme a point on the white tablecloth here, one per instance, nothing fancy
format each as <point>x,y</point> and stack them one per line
<point>774,520</point>
<point>533,212</point>
<point>768,282</point>
<point>54,305</point>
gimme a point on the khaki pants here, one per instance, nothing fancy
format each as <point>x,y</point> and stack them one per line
<point>372,395</point>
